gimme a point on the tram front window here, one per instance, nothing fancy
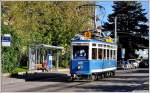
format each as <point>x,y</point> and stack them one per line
<point>80,52</point>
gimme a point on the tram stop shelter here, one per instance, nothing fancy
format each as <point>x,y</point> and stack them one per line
<point>41,57</point>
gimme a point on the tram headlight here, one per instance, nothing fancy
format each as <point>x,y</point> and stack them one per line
<point>79,67</point>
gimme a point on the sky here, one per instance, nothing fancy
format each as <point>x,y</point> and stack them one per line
<point>108,7</point>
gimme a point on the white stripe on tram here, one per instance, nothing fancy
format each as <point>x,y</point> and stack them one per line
<point>102,70</point>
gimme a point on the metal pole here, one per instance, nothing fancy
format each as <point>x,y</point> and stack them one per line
<point>29,54</point>
<point>95,17</point>
<point>116,29</point>
<point>36,58</point>
<point>57,60</point>
<point>94,20</point>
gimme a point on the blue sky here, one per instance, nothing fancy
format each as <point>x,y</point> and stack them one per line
<point>108,7</point>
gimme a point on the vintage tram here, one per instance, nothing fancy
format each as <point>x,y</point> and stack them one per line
<point>93,58</point>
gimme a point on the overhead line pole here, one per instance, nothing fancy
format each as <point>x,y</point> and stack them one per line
<point>116,29</point>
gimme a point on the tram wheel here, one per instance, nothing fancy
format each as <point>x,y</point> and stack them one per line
<point>106,75</point>
<point>99,77</point>
<point>72,79</point>
<point>109,74</point>
<point>102,75</point>
<point>113,73</point>
<point>92,77</point>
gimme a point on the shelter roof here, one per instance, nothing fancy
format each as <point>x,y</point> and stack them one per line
<point>47,46</point>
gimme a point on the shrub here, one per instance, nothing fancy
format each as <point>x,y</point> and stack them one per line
<point>18,69</point>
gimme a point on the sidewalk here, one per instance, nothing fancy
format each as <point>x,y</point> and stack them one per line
<point>9,80</point>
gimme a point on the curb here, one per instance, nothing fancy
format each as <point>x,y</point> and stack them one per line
<point>21,73</point>
<point>6,74</point>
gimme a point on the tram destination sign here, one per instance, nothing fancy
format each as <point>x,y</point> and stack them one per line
<point>6,39</point>
<point>87,35</point>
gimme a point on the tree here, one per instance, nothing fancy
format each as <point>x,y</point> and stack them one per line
<point>131,25</point>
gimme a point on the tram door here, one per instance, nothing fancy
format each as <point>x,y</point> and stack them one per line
<point>49,59</point>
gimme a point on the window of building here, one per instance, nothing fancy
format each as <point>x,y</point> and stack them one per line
<point>94,53</point>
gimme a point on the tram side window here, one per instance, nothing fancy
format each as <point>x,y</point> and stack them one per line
<point>111,54</point>
<point>108,54</point>
<point>80,52</point>
<point>99,53</point>
<point>104,54</point>
<point>94,53</point>
<point>114,55</point>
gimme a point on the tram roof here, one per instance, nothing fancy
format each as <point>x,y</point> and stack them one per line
<point>92,40</point>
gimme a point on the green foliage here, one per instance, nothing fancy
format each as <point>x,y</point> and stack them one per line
<point>65,59</point>
<point>64,63</point>
<point>18,69</point>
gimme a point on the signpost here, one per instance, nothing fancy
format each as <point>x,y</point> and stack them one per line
<point>6,40</point>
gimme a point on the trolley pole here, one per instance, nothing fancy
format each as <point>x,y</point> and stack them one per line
<point>116,29</point>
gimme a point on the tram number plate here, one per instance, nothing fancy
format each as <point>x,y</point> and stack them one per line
<point>87,34</point>
<point>80,62</point>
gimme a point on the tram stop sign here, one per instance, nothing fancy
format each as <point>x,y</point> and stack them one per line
<point>87,35</point>
<point>6,40</point>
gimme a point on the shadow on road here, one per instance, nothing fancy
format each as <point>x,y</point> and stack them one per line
<point>141,71</point>
<point>109,88</point>
<point>55,77</point>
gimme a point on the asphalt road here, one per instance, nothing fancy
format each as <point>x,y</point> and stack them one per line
<point>124,81</point>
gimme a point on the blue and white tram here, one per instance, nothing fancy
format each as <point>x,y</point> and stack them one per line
<point>93,58</point>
